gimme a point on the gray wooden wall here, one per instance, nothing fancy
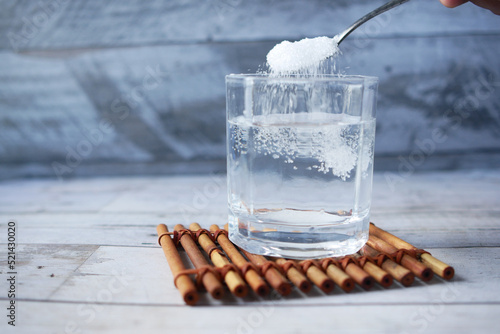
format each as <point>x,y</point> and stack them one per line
<point>137,87</point>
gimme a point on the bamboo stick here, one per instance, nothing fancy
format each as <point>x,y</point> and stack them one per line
<point>184,284</point>
<point>234,282</point>
<point>294,275</point>
<point>381,276</point>
<point>251,276</point>
<point>272,275</point>
<point>209,280</point>
<point>357,274</point>
<point>317,276</point>
<point>419,269</point>
<point>340,278</point>
<point>400,273</point>
<point>440,268</point>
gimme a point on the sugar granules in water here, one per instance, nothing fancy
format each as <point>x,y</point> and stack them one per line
<point>304,56</point>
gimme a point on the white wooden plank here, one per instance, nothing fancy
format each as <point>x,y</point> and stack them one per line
<point>430,210</point>
<point>182,118</point>
<point>393,192</point>
<point>29,25</point>
<point>434,317</point>
<point>122,275</point>
<point>139,275</point>
<point>117,195</point>
<point>422,230</point>
<point>42,269</point>
<point>97,288</point>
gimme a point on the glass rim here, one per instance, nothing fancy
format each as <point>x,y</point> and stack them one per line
<point>300,77</point>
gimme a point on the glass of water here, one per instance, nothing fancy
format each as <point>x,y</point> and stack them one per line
<point>300,163</point>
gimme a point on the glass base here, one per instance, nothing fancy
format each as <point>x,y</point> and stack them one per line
<point>299,242</point>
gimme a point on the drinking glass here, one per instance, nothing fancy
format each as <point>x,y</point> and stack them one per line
<point>300,163</point>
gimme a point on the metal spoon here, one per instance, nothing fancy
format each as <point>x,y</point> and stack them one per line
<point>391,4</point>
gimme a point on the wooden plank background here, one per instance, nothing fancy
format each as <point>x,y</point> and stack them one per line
<point>88,259</point>
<point>129,87</point>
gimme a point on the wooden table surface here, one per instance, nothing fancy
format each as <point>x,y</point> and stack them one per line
<point>87,260</point>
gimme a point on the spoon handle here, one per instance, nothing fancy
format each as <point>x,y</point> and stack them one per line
<point>369,16</point>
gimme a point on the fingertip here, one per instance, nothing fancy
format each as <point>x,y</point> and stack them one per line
<point>453,3</point>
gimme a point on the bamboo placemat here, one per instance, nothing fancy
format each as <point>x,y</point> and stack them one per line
<point>382,260</point>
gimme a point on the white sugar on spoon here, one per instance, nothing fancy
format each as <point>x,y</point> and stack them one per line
<point>303,56</point>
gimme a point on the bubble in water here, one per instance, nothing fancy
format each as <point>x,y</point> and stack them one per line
<point>332,141</point>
